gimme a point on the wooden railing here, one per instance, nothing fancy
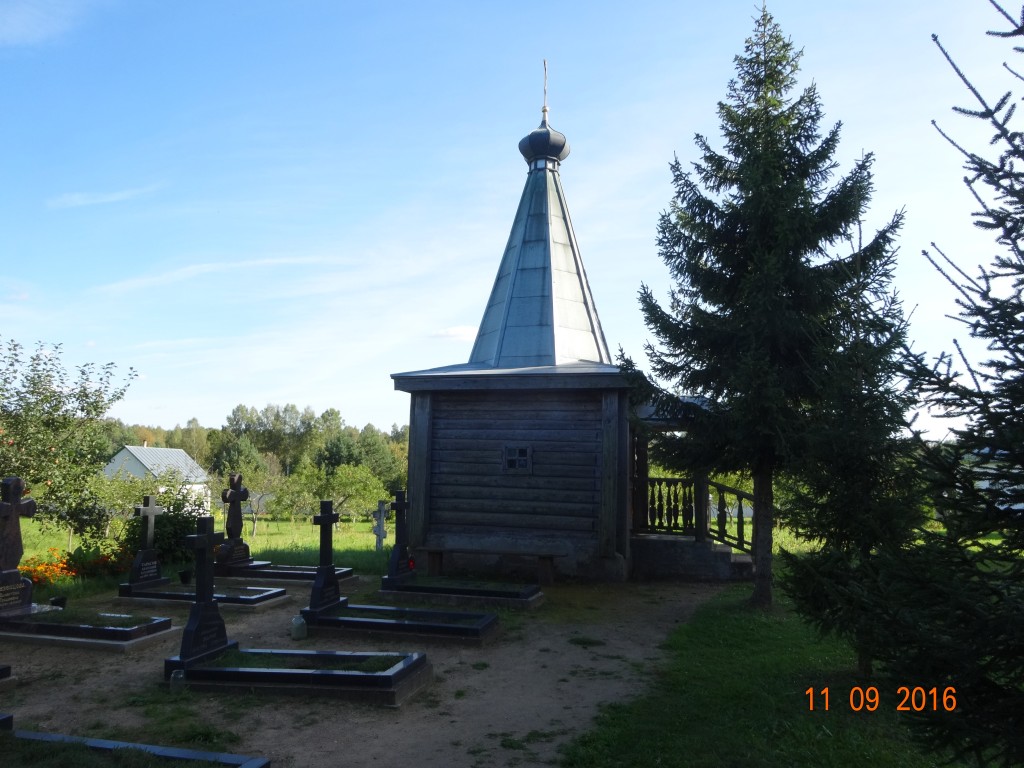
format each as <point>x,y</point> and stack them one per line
<point>685,506</point>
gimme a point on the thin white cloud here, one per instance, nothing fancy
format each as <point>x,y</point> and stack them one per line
<point>80,199</point>
<point>30,22</point>
<point>218,267</point>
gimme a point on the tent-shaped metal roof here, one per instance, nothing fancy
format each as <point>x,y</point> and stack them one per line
<point>540,310</point>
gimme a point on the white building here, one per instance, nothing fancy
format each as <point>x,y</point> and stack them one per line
<point>141,461</point>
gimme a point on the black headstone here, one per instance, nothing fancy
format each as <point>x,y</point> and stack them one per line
<point>146,565</point>
<point>233,497</point>
<point>400,564</point>
<point>234,551</point>
<point>204,635</point>
<point>325,592</point>
<point>12,506</point>
<point>15,590</point>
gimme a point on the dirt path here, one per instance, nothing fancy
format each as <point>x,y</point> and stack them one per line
<point>513,702</point>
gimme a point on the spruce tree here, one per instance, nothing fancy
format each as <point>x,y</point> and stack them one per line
<point>747,240</point>
<point>859,489</point>
<point>953,607</point>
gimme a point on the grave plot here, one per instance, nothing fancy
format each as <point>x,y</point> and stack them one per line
<point>329,612</point>
<point>402,579</point>
<point>173,755</point>
<point>145,586</point>
<point>233,559</point>
<point>396,622</point>
<point>85,629</point>
<point>383,679</point>
<point>208,660</point>
<point>230,596</point>
<point>24,621</point>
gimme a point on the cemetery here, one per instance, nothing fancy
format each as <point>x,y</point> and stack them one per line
<point>364,667</point>
<point>539,621</point>
<point>551,593</point>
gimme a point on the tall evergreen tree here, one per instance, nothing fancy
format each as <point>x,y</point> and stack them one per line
<point>746,239</point>
<point>953,607</point>
<point>859,489</point>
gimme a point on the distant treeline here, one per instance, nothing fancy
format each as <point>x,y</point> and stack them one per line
<point>278,441</point>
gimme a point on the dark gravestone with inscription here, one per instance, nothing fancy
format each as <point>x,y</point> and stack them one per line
<point>325,593</point>
<point>204,636</point>
<point>400,564</point>
<point>15,590</point>
<point>146,571</point>
<point>234,551</point>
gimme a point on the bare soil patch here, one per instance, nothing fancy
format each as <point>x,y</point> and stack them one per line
<point>513,702</point>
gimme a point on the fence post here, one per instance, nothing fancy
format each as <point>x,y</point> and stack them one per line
<point>700,506</point>
<point>641,470</point>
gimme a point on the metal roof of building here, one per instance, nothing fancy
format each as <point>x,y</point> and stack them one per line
<point>160,460</point>
<point>469,376</point>
<point>540,311</point>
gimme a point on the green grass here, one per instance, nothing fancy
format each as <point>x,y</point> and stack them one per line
<point>298,543</point>
<point>36,540</point>
<point>76,589</point>
<point>732,693</point>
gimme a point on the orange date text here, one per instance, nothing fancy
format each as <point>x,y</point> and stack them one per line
<point>867,699</point>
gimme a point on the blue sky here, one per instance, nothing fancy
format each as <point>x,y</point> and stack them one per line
<point>285,202</point>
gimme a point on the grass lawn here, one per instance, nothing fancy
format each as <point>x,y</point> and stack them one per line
<point>282,542</point>
<point>733,693</point>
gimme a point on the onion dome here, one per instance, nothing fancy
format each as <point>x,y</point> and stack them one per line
<point>544,142</point>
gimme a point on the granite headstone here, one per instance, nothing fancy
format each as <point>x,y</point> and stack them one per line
<point>325,591</point>
<point>146,568</point>
<point>15,590</point>
<point>400,564</point>
<point>234,550</point>
<point>205,635</point>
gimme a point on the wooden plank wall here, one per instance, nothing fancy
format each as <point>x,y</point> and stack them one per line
<point>468,487</point>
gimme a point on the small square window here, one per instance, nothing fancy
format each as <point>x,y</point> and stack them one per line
<point>517,459</point>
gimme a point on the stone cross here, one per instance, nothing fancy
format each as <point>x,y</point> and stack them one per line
<point>203,542</point>
<point>233,497</point>
<point>12,506</point>
<point>326,520</point>
<point>379,528</point>
<point>399,563</point>
<point>325,592</point>
<point>148,512</point>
